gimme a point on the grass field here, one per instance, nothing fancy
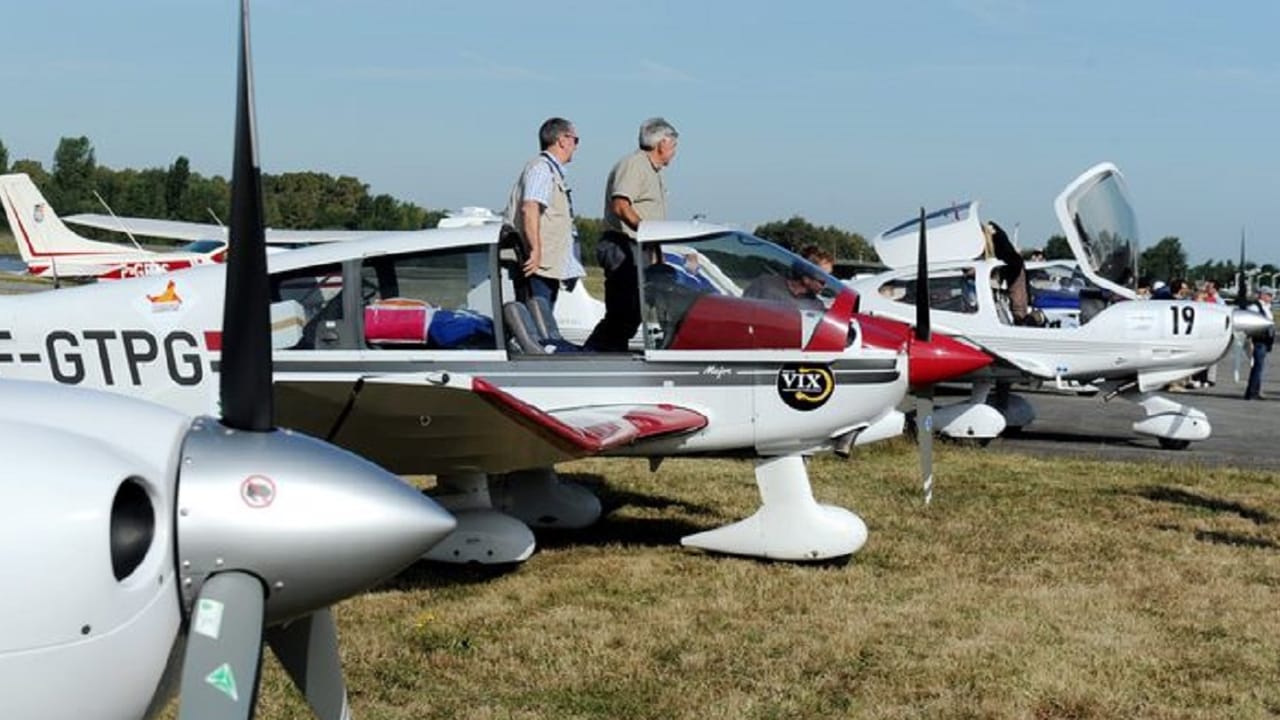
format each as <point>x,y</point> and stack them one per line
<point>1029,589</point>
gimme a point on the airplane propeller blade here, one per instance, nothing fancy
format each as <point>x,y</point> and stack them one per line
<point>924,396</point>
<point>263,508</point>
<point>308,650</point>
<point>245,382</point>
<point>224,649</point>
<point>923,330</point>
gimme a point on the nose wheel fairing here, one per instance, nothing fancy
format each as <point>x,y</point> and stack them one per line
<point>790,524</point>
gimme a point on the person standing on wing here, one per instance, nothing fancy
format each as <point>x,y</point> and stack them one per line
<point>634,192</point>
<point>540,210</point>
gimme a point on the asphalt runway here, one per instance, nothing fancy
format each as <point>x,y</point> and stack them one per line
<point>1246,433</point>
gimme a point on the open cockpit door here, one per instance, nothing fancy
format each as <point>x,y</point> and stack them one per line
<point>1101,228</point>
<point>954,234</point>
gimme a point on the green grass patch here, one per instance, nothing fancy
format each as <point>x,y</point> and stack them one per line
<point>1031,588</point>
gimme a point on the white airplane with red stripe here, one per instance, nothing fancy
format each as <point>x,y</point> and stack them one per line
<point>411,350</point>
<point>51,249</point>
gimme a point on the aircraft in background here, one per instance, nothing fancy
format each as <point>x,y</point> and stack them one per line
<point>148,550</point>
<point>51,249</point>
<point>1125,347</point>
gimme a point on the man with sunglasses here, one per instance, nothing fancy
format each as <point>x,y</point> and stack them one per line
<point>634,192</point>
<point>540,210</point>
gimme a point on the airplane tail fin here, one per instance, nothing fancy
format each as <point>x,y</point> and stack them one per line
<point>41,236</point>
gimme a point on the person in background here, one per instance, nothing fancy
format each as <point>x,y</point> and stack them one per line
<point>1261,345</point>
<point>1014,274</point>
<point>540,210</point>
<point>799,287</point>
<point>819,256</point>
<point>635,191</point>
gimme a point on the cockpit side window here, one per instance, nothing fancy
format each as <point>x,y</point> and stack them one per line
<point>433,299</point>
<point>950,292</point>
<point>306,308</point>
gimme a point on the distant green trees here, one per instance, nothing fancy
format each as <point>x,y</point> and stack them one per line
<point>1057,248</point>
<point>4,158</point>
<point>797,232</point>
<point>292,200</point>
<point>1165,260</point>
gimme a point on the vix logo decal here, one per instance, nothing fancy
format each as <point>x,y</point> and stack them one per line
<point>805,387</point>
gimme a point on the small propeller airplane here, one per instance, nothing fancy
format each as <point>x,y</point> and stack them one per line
<point>150,550</point>
<point>1127,348</point>
<point>51,249</point>
<point>409,351</point>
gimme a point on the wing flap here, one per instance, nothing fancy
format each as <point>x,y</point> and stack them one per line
<point>444,422</point>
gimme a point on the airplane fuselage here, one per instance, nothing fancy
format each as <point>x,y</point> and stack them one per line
<point>1157,339</point>
<point>157,338</point>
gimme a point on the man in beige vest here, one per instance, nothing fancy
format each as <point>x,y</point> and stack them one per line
<point>634,192</point>
<point>540,210</point>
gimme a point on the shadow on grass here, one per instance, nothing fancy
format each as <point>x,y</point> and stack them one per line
<point>1235,539</point>
<point>613,529</point>
<point>613,498</point>
<point>1178,496</point>
<point>609,530</point>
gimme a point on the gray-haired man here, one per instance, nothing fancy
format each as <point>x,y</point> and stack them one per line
<point>634,192</point>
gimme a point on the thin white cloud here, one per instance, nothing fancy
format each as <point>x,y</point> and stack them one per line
<point>661,73</point>
<point>1000,14</point>
<point>470,65</point>
<point>489,67</point>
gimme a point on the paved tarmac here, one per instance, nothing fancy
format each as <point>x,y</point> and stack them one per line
<point>1246,433</point>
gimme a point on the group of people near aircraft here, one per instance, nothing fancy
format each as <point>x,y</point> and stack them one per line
<point>539,211</point>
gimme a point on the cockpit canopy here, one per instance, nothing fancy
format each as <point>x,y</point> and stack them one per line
<point>1101,228</point>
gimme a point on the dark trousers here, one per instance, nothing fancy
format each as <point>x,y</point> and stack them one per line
<point>1254,390</point>
<point>544,287</point>
<point>617,255</point>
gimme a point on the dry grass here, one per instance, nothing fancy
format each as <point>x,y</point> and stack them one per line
<point>1030,589</point>
<point>7,244</point>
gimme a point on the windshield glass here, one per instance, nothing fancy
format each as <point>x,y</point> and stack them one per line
<point>1108,230</point>
<point>742,265</point>
<point>685,273</point>
<point>203,246</point>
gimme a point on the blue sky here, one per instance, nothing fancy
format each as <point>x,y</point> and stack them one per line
<point>848,113</point>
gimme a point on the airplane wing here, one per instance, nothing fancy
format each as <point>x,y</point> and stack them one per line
<point>444,422</point>
<point>191,231</point>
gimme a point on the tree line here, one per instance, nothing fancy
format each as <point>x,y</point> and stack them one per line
<point>314,200</point>
<point>1166,260</point>
<point>301,200</point>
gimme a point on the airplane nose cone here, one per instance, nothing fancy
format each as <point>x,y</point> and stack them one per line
<point>942,358</point>
<point>314,522</point>
<point>1250,323</point>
